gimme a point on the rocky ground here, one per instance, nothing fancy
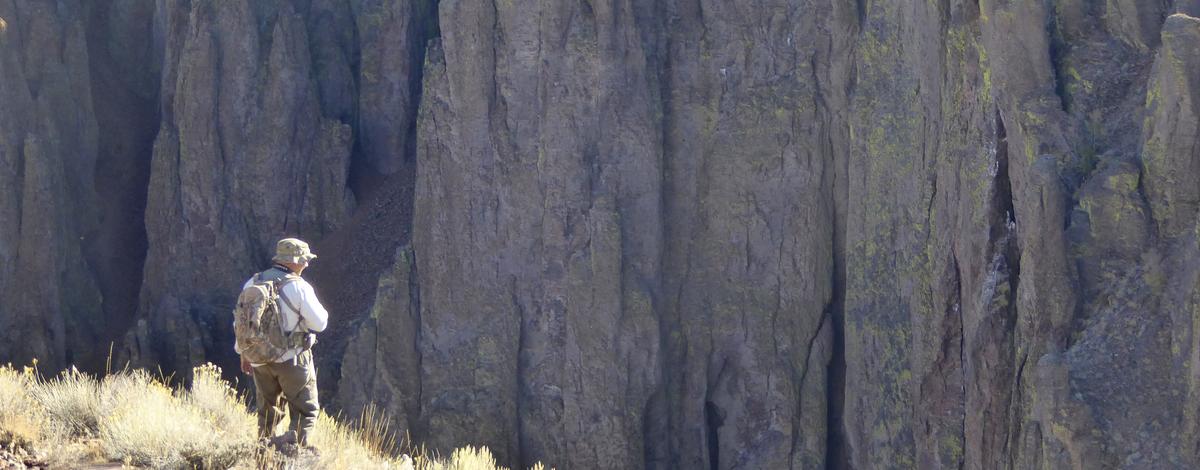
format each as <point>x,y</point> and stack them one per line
<point>20,460</point>
<point>637,234</point>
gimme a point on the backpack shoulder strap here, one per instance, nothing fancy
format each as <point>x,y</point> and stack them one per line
<point>284,281</point>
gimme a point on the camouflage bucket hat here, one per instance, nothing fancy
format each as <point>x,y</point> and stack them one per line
<point>292,250</point>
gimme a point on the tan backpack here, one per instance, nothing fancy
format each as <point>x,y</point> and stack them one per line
<point>258,323</point>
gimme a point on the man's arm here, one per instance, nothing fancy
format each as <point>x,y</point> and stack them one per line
<point>316,318</point>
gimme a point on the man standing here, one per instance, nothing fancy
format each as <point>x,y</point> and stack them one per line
<point>292,377</point>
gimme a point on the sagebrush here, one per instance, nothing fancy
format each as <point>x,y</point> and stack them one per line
<point>137,419</point>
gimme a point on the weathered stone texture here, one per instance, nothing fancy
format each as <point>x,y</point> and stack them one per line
<point>48,153</point>
<point>752,142</point>
<point>638,234</point>
<point>535,233</point>
<point>243,155</point>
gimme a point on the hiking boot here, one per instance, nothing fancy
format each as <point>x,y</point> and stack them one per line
<point>288,450</point>
<point>285,444</point>
<point>285,438</point>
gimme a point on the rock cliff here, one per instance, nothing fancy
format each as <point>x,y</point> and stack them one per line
<point>637,234</point>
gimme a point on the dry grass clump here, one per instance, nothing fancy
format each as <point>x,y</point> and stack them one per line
<point>70,403</point>
<point>366,443</point>
<point>465,458</point>
<point>22,421</point>
<point>136,419</point>
<point>149,424</point>
<point>214,397</point>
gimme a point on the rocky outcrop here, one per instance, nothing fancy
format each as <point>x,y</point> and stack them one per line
<point>536,252</point>
<point>618,234</point>
<point>48,154</point>
<point>391,48</point>
<point>755,144</point>
<point>381,366</point>
<point>242,154</point>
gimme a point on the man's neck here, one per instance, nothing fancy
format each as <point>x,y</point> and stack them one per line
<point>283,268</point>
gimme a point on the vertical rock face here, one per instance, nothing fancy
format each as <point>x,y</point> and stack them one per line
<point>48,154</point>
<point>600,180</point>
<point>620,234</point>
<point>537,233</point>
<point>391,45</point>
<point>752,145</point>
<point>1005,298</point>
<point>907,203</point>
<point>242,156</point>
<point>381,364</point>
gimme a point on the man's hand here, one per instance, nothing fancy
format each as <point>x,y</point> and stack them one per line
<point>246,367</point>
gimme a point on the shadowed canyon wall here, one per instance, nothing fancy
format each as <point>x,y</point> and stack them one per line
<point>636,234</point>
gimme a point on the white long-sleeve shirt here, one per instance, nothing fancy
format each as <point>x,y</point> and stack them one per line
<point>313,315</point>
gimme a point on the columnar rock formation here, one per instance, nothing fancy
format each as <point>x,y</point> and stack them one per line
<point>49,148</point>
<point>637,234</point>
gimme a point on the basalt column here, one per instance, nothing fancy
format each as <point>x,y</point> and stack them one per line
<point>49,297</point>
<point>755,143</point>
<point>243,155</point>
<point>537,234</point>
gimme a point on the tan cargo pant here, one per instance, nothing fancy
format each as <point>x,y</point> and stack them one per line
<point>291,382</point>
